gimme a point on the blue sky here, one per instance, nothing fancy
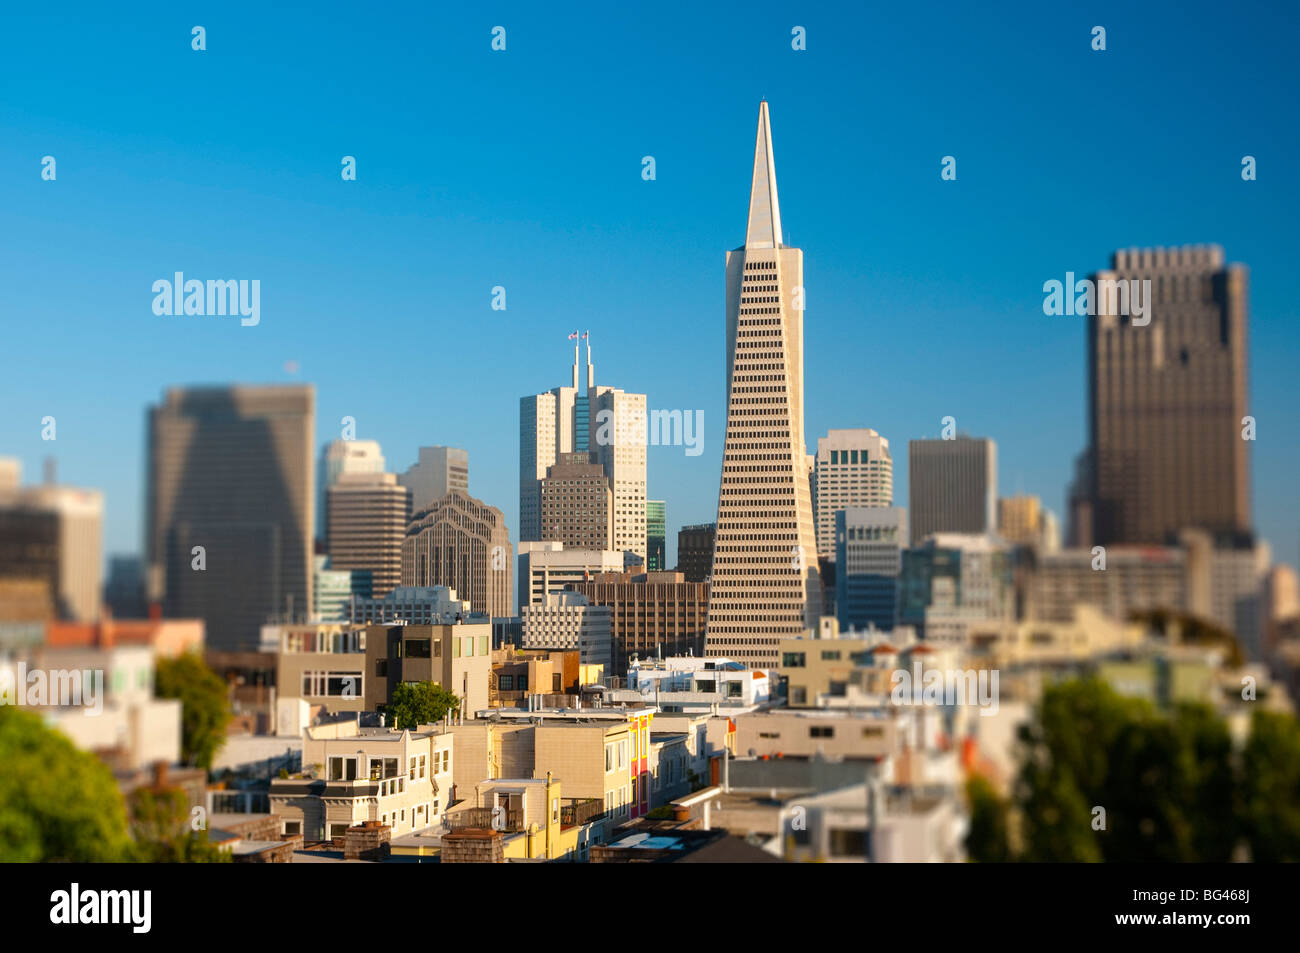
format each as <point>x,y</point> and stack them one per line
<point>523,169</point>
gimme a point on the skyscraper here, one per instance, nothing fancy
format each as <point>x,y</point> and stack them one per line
<point>339,457</point>
<point>656,535</point>
<point>461,543</point>
<point>607,422</point>
<point>766,584</point>
<point>1166,401</point>
<point>952,486</point>
<point>853,468</point>
<point>368,513</point>
<point>695,550</point>
<point>230,470</point>
<point>436,472</point>
<point>577,503</point>
<point>870,541</point>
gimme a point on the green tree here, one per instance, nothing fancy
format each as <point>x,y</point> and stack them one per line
<point>1269,802</point>
<point>420,703</point>
<point>163,831</point>
<point>205,711</point>
<point>57,803</point>
<point>989,839</point>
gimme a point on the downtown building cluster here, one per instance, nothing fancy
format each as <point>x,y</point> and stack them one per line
<point>743,707</point>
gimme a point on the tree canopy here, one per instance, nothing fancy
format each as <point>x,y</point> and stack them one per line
<point>205,710</point>
<point>420,703</point>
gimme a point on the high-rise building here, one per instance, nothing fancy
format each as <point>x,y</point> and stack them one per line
<point>766,583</point>
<point>868,560</point>
<point>1167,398</point>
<point>656,535</point>
<point>230,507</point>
<point>567,621</point>
<point>605,421</point>
<point>78,516</point>
<point>337,458</point>
<point>368,515</point>
<point>461,543</point>
<point>1024,520</point>
<point>654,613</point>
<point>951,582</point>
<point>952,486</point>
<point>852,468</point>
<point>334,590</point>
<point>436,472</point>
<point>695,551</point>
<point>577,503</point>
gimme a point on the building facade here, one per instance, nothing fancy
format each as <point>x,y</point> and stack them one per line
<point>766,584</point>
<point>436,472</point>
<point>852,468</point>
<point>869,544</point>
<point>952,486</point>
<point>368,515</point>
<point>461,543</point>
<point>656,533</point>
<point>578,503</point>
<point>657,613</point>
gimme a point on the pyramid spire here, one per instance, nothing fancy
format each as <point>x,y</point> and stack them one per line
<point>764,211</point>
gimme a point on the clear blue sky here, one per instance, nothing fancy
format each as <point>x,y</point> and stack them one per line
<point>522,169</point>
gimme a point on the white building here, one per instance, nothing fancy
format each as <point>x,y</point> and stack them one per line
<point>339,457</point>
<point>413,605</point>
<point>688,683</point>
<point>547,567</point>
<point>568,621</point>
<point>436,472</point>
<point>853,468</point>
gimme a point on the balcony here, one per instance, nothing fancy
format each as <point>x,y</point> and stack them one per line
<point>576,813</point>
<point>481,818</point>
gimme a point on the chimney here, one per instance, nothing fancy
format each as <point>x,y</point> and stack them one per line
<point>160,774</point>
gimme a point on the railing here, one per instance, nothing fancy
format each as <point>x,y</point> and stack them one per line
<point>581,812</point>
<point>485,818</point>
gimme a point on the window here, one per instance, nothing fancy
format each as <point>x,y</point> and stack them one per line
<point>342,769</point>
<point>417,648</point>
<point>830,655</point>
<point>293,827</point>
<point>506,683</point>
<point>821,731</point>
<point>793,659</point>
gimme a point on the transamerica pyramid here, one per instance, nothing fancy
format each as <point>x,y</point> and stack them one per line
<point>766,585</point>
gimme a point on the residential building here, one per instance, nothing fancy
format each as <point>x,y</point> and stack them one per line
<point>952,486</point>
<point>853,468</point>
<point>765,579</point>
<point>693,684</point>
<point>462,543</point>
<point>231,507</point>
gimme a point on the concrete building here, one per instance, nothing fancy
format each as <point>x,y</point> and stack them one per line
<point>567,621</point>
<point>436,472</point>
<point>604,421</point>
<point>458,657</point>
<point>231,507</point>
<point>953,581</point>
<point>337,458</point>
<point>853,468</point>
<point>952,486</point>
<point>415,605</point>
<point>368,516</point>
<point>656,517</point>
<point>547,567</point>
<point>578,503</point>
<point>695,551</point>
<point>462,543</point>
<point>54,533</point>
<point>319,667</point>
<point>657,613</point>
<point>1166,400</point>
<point>1134,579</point>
<point>698,685</point>
<point>766,582</point>
<point>869,544</point>
<point>1024,521</point>
<point>353,775</point>
<point>334,589</point>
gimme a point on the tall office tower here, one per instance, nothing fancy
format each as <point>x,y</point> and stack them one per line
<point>605,421</point>
<point>654,613</point>
<point>230,470</point>
<point>368,514</point>
<point>1022,519</point>
<point>952,486</point>
<point>337,458</point>
<point>335,590</point>
<point>869,544</point>
<point>577,503</point>
<point>656,535</point>
<point>852,468</point>
<point>437,472</point>
<point>695,551</point>
<point>461,543</point>
<point>766,584</point>
<point>546,567</point>
<point>1166,399</point>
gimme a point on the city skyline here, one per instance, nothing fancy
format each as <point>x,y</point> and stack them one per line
<point>975,304</point>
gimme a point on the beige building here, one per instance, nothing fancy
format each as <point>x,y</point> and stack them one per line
<point>462,543</point>
<point>852,468</point>
<point>436,472</point>
<point>766,584</point>
<point>567,621</point>
<point>457,657</point>
<point>368,514</point>
<point>352,775</point>
<point>578,503</point>
<point>657,613</point>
